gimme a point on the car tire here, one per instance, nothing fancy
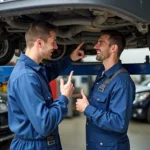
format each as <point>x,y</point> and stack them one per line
<point>6,51</point>
<point>57,54</point>
<point>148,114</point>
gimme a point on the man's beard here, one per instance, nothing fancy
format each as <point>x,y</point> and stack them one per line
<point>100,57</point>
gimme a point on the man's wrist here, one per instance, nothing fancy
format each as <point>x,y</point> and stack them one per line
<point>85,107</point>
<point>66,96</point>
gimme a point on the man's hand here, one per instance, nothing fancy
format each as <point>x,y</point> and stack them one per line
<point>68,88</point>
<point>81,104</point>
<point>77,54</point>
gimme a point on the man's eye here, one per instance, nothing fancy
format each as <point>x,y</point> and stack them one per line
<point>100,42</point>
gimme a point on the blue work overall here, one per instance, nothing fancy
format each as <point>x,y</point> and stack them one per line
<point>109,111</point>
<point>33,115</point>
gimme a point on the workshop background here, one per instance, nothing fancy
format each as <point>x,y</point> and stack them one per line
<point>72,129</point>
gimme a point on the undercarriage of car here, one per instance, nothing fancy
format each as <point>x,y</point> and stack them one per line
<point>76,22</point>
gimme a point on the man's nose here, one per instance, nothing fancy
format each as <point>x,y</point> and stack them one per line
<point>96,46</point>
<point>55,46</point>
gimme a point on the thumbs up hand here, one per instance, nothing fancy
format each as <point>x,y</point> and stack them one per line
<point>82,103</point>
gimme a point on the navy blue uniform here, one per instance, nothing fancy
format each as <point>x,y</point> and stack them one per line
<point>33,115</point>
<point>109,111</point>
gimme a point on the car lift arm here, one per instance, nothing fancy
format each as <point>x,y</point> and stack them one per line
<point>92,68</point>
<point>84,69</point>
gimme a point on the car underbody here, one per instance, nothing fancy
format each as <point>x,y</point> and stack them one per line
<point>76,22</point>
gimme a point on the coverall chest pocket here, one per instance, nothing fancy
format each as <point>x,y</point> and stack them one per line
<point>99,100</point>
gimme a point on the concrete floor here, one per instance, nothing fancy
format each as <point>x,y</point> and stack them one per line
<point>72,132</point>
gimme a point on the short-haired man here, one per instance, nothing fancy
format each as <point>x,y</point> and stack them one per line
<point>33,115</point>
<point>109,105</point>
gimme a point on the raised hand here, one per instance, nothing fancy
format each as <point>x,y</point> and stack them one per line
<point>82,103</point>
<point>67,89</point>
<point>77,54</point>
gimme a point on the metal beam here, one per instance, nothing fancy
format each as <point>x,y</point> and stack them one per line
<point>92,68</point>
<point>5,72</point>
<point>84,69</point>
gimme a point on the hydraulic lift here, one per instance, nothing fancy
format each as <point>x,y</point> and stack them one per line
<point>79,69</point>
<point>92,68</point>
<point>84,69</point>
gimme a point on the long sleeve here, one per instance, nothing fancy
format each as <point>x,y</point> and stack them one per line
<point>53,70</point>
<point>31,100</point>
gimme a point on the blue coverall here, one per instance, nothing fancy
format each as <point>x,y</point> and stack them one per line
<point>33,115</point>
<point>109,112</point>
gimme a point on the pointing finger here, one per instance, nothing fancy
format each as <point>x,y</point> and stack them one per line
<point>70,76</point>
<point>61,82</point>
<point>79,46</point>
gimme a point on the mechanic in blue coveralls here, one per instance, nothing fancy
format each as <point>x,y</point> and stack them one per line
<point>109,105</point>
<point>33,115</point>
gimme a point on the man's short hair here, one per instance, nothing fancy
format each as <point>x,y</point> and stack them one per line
<point>115,38</point>
<point>38,29</point>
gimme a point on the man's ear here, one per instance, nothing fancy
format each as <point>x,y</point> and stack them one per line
<point>39,43</point>
<point>114,48</point>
